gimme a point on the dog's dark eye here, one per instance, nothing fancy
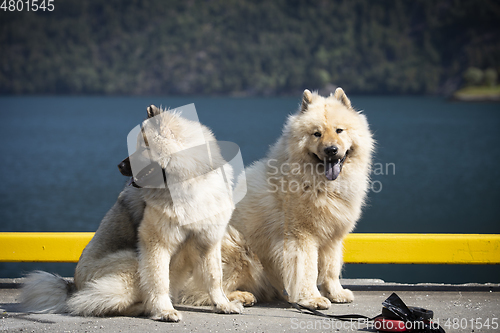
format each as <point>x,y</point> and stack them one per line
<point>339,130</point>
<point>317,134</point>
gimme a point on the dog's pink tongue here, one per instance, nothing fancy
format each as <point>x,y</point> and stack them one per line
<point>332,170</point>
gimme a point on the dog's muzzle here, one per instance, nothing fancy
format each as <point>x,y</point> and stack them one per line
<point>333,166</point>
<point>125,168</point>
<point>150,176</point>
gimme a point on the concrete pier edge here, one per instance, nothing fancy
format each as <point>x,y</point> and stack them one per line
<point>469,307</point>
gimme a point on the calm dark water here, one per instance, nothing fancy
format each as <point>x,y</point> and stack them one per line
<point>437,166</point>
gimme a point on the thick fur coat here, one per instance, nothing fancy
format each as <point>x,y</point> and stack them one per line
<point>301,201</point>
<point>284,238</point>
<point>152,239</point>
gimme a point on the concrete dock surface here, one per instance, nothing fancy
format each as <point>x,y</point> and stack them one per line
<point>457,308</point>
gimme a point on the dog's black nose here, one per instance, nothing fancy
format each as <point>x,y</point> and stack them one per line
<point>331,151</point>
<point>125,168</point>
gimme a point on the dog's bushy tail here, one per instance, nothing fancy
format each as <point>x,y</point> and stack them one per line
<point>114,294</point>
<point>44,292</point>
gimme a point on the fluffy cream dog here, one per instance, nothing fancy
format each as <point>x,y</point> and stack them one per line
<point>301,201</point>
<point>152,239</point>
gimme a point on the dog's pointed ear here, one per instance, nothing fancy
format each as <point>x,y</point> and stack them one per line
<point>342,97</point>
<point>306,100</point>
<point>153,111</point>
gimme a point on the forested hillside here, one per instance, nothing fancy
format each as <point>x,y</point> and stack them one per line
<point>246,47</point>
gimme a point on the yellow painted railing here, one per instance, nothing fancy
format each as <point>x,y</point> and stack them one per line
<point>359,248</point>
<point>43,246</point>
<point>422,249</point>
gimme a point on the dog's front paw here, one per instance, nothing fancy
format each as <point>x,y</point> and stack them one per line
<point>316,303</point>
<point>168,315</point>
<point>343,296</point>
<point>248,299</point>
<point>229,307</point>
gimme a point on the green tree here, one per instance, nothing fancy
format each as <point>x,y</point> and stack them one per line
<point>473,76</point>
<point>490,77</point>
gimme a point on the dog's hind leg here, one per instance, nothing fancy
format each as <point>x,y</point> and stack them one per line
<point>244,279</point>
<point>243,276</point>
<point>107,285</point>
<point>244,297</point>
<point>114,294</point>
